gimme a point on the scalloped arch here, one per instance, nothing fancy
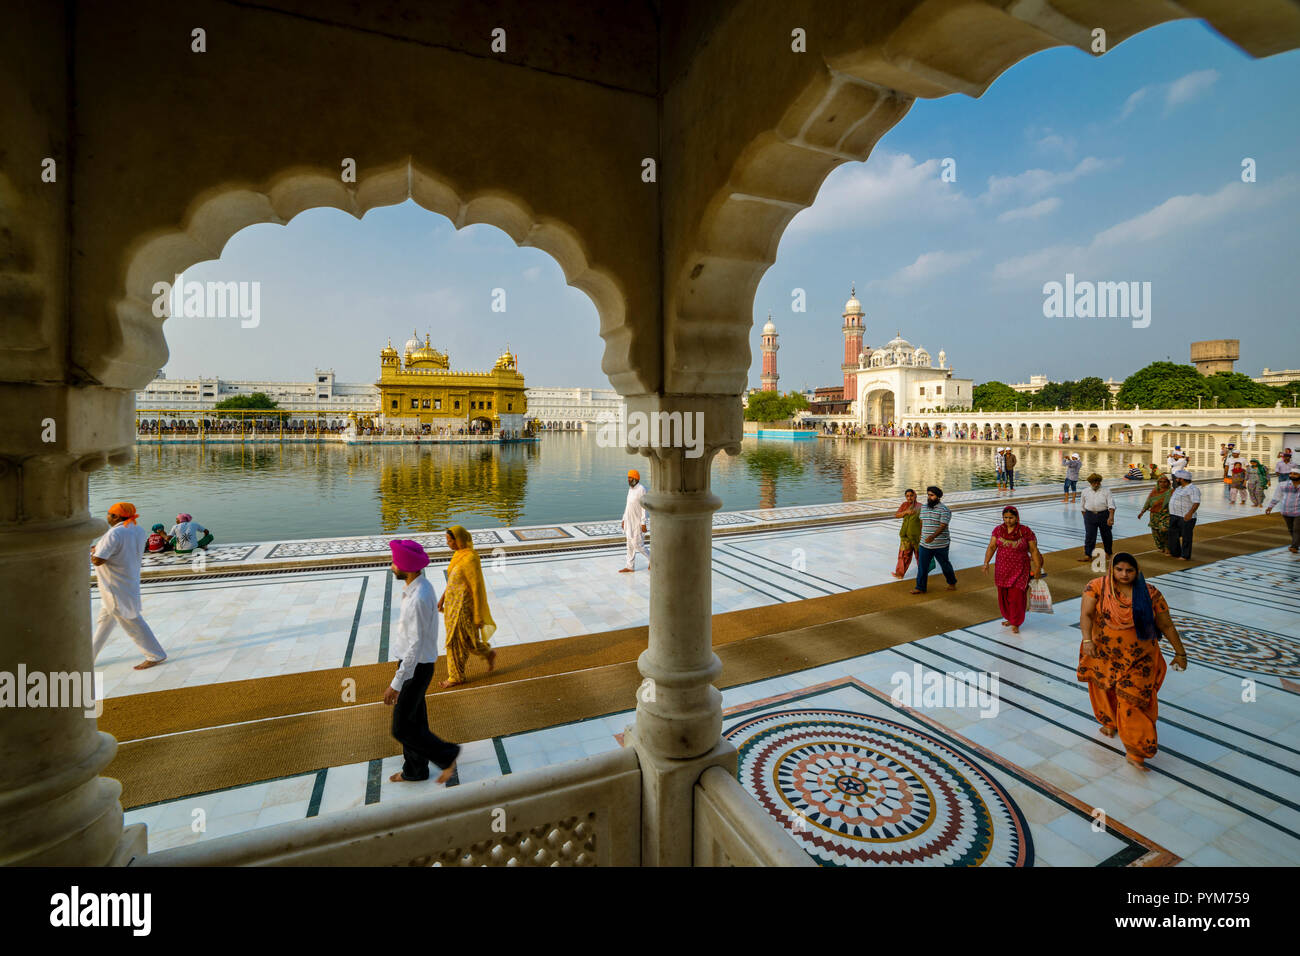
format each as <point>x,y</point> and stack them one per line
<point>217,215</point>
<point>859,93</point>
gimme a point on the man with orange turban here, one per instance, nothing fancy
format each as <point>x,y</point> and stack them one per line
<point>117,558</point>
<point>634,521</point>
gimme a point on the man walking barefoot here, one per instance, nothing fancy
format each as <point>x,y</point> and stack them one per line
<point>117,557</point>
<point>634,522</point>
<point>416,647</point>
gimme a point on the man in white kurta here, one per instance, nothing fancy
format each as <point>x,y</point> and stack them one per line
<point>634,521</point>
<point>117,558</point>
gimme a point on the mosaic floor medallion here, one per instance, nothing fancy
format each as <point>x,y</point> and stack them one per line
<point>855,790</point>
<point>1236,647</point>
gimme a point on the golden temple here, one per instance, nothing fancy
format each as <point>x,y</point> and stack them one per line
<point>420,387</point>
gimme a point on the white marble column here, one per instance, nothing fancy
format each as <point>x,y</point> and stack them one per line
<point>55,809</point>
<point>678,732</point>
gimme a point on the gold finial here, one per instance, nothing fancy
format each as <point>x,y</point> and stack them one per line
<point>853,290</point>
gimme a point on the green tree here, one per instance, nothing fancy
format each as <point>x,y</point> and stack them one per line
<point>1089,392</point>
<point>1165,385</point>
<point>257,401</point>
<point>1234,390</point>
<point>996,397</point>
<point>773,406</point>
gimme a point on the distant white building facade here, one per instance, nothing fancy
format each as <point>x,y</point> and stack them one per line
<point>573,409</point>
<point>899,380</point>
<point>565,409</point>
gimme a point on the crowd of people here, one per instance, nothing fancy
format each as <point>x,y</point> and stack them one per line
<point>240,426</point>
<point>963,432</point>
<point>1122,617</point>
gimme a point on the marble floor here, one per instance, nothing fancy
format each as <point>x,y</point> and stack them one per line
<point>1001,765</point>
<point>260,624</point>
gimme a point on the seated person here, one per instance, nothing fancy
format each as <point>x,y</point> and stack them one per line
<point>157,542</point>
<point>187,534</point>
<point>1155,472</point>
<point>1134,473</point>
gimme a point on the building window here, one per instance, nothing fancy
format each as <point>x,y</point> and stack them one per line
<point>457,406</point>
<point>489,403</point>
<point>510,406</point>
<point>321,378</point>
<point>938,390</point>
<point>437,403</point>
<point>394,403</point>
<point>425,403</point>
<point>415,403</point>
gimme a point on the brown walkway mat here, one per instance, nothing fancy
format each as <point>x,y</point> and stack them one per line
<point>297,723</point>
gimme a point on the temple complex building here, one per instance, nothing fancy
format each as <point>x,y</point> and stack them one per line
<point>419,387</point>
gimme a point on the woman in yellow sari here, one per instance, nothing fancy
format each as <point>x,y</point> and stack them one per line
<point>465,614</point>
<point>1122,619</point>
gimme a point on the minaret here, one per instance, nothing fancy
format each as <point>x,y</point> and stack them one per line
<point>769,356</point>
<point>853,328</point>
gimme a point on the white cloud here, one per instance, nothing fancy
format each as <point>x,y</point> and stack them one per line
<point>1035,182</point>
<point>1189,87</point>
<point>1035,211</point>
<point>1133,100</point>
<point>887,187</point>
<point>532,272</point>
<point>928,265</point>
<point>1176,93</point>
<point>1176,217</point>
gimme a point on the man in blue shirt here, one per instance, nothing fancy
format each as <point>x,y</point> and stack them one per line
<point>934,541</point>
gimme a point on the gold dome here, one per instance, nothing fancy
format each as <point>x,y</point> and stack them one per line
<point>505,361</point>
<point>388,351</point>
<point>426,354</point>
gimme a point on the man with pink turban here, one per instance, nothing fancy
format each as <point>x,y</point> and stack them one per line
<point>117,557</point>
<point>416,649</point>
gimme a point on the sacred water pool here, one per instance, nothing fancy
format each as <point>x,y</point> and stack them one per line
<point>259,492</point>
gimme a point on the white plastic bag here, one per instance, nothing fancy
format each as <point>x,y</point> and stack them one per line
<point>1040,599</point>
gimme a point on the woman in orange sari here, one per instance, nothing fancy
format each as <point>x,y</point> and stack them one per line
<point>1122,619</point>
<point>465,613</point>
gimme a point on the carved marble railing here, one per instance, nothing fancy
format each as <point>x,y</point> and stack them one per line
<point>582,813</point>
<point>731,829</point>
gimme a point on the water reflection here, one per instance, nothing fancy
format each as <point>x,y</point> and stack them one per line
<point>260,492</point>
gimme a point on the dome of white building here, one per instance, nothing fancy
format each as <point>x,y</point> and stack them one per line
<point>898,343</point>
<point>770,328</point>
<point>413,343</point>
<point>922,357</point>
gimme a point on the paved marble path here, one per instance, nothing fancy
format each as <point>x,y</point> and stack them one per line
<point>1026,767</point>
<point>259,625</point>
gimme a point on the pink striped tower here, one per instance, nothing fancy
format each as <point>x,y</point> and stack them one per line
<point>854,319</point>
<point>769,356</point>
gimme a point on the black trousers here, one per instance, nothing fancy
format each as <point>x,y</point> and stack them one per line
<point>1011,478</point>
<point>411,728</point>
<point>1094,521</point>
<point>1180,536</point>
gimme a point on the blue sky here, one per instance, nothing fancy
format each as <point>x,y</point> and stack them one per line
<point>1125,167</point>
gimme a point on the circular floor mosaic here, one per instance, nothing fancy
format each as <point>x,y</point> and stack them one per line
<point>1229,645</point>
<point>855,790</point>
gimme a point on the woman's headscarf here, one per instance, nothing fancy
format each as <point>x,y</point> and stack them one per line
<point>467,559</point>
<point>1261,471</point>
<point>124,510</point>
<point>1016,533</point>
<point>1144,615</point>
<point>183,517</point>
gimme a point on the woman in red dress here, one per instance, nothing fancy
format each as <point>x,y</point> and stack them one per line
<point>1017,560</point>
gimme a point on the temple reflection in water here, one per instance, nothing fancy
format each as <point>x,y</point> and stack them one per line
<point>422,489</point>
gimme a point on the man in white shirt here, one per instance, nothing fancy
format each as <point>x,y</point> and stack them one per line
<point>1183,505</point>
<point>1098,515</point>
<point>117,557</point>
<point>1175,457</point>
<point>634,521</point>
<point>1283,466</point>
<point>415,645</point>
